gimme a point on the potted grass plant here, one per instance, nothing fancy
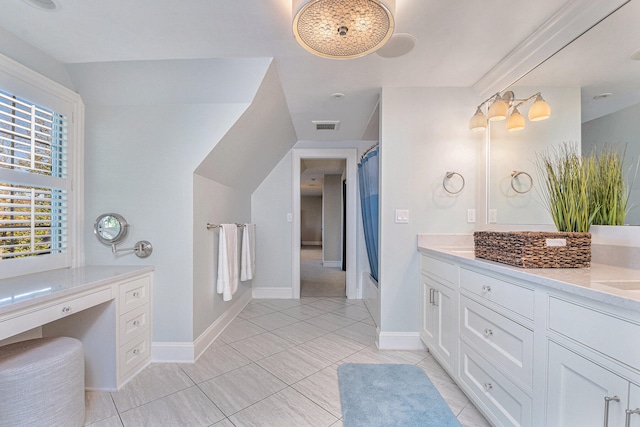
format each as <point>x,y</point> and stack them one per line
<point>565,181</point>
<point>608,188</point>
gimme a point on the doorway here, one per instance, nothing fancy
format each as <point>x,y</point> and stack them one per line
<point>322,222</point>
<point>350,175</point>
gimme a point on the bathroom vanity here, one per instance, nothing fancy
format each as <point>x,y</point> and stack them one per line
<point>535,347</point>
<point>108,308</point>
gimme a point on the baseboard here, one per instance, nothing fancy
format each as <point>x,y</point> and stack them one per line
<point>187,352</point>
<point>311,242</point>
<point>172,352</point>
<point>398,340</point>
<point>209,336</point>
<point>332,264</point>
<point>272,293</point>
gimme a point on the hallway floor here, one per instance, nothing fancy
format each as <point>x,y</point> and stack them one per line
<point>275,365</point>
<point>317,280</point>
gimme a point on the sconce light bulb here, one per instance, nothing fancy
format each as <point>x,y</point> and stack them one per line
<point>498,110</point>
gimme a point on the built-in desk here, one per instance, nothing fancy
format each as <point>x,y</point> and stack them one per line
<point>108,308</point>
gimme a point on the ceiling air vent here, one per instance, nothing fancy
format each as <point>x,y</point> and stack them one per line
<point>327,125</point>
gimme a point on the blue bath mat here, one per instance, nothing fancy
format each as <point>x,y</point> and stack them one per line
<point>390,396</point>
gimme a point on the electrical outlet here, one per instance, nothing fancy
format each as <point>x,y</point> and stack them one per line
<point>471,216</point>
<point>289,217</point>
<point>493,216</point>
<point>402,216</point>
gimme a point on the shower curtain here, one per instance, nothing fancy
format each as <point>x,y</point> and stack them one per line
<point>368,180</point>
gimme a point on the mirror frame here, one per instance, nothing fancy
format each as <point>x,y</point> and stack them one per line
<point>124,229</point>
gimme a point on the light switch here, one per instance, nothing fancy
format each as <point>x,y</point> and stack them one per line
<point>493,216</point>
<point>402,216</point>
<point>471,216</point>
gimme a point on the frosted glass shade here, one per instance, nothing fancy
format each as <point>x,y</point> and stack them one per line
<point>498,110</point>
<point>478,122</point>
<point>540,110</point>
<point>516,121</point>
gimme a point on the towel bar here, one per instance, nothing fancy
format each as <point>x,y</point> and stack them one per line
<point>211,226</point>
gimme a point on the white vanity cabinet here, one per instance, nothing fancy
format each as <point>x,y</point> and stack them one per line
<point>532,348</point>
<point>438,310</point>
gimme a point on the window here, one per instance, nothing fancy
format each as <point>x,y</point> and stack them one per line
<point>40,148</point>
<point>33,218</point>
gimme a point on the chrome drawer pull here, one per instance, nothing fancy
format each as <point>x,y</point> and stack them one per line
<point>608,399</point>
<point>630,412</point>
<point>486,289</point>
<point>136,351</point>
<point>488,333</point>
<point>136,294</point>
<point>431,296</point>
<point>136,323</point>
<point>488,387</point>
<point>66,309</point>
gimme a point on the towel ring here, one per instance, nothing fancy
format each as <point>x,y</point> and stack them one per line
<point>446,179</point>
<point>515,175</point>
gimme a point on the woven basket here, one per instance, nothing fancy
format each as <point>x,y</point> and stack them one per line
<point>532,249</point>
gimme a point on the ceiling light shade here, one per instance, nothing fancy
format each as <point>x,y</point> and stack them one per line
<point>540,110</point>
<point>516,121</point>
<point>342,28</point>
<point>478,122</point>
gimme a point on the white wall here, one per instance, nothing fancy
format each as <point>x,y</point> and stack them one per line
<point>424,134</point>
<point>139,162</point>
<point>213,203</point>
<point>332,219</point>
<point>311,220</point>
<point>517,151</point>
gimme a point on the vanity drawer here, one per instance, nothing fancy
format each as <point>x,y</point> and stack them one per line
<point>438,268</point>
<point>133,323</point>
<point>511,296</point>
<point>501,339</point>
<point>601,331</point>
<point>134,294</point>
<point>25,320</point>
<point>134,354</point>
<point>509,405</point>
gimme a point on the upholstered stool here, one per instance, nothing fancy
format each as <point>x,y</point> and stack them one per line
<point>42,383</point>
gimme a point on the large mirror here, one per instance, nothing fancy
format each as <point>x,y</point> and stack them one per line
<point>593,87</point>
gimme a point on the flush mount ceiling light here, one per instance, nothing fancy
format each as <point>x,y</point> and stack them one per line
<point>342,28</point>
<point>499,110</point>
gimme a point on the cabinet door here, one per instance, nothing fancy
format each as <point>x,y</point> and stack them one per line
<point>446,335</point>
<point>634,404</point>
<point>428,311</point>
<point>577,389</point>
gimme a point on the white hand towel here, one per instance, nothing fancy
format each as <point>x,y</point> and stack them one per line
<point>248,260</point>
<point>228,261</point>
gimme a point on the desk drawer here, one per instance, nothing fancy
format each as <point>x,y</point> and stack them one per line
<point>601,331</point>
<point>134,294</point>
<point>499,338</point>
<point>24,320</point>
<point>133,323</point>
<point>510,405</point>
<point>513,297</point>
<point>133,354</point>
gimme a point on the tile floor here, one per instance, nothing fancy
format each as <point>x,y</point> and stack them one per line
<point>275,365</point>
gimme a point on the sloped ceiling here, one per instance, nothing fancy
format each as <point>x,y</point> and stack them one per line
<point>256,142</point>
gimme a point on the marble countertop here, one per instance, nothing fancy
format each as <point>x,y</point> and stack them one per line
<point>23,291</point>
<point>609,284</point>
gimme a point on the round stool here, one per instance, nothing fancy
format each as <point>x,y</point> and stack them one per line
<point>42,383</point>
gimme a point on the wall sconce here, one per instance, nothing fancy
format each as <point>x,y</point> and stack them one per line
<point>342,28</point>
<point>499,106</point>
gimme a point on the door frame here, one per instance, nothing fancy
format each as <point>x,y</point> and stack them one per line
<point>351,157</point>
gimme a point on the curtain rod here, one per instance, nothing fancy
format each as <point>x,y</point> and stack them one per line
<point>370,149</point>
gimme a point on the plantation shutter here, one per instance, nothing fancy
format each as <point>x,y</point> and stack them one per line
<point>33,179</point>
